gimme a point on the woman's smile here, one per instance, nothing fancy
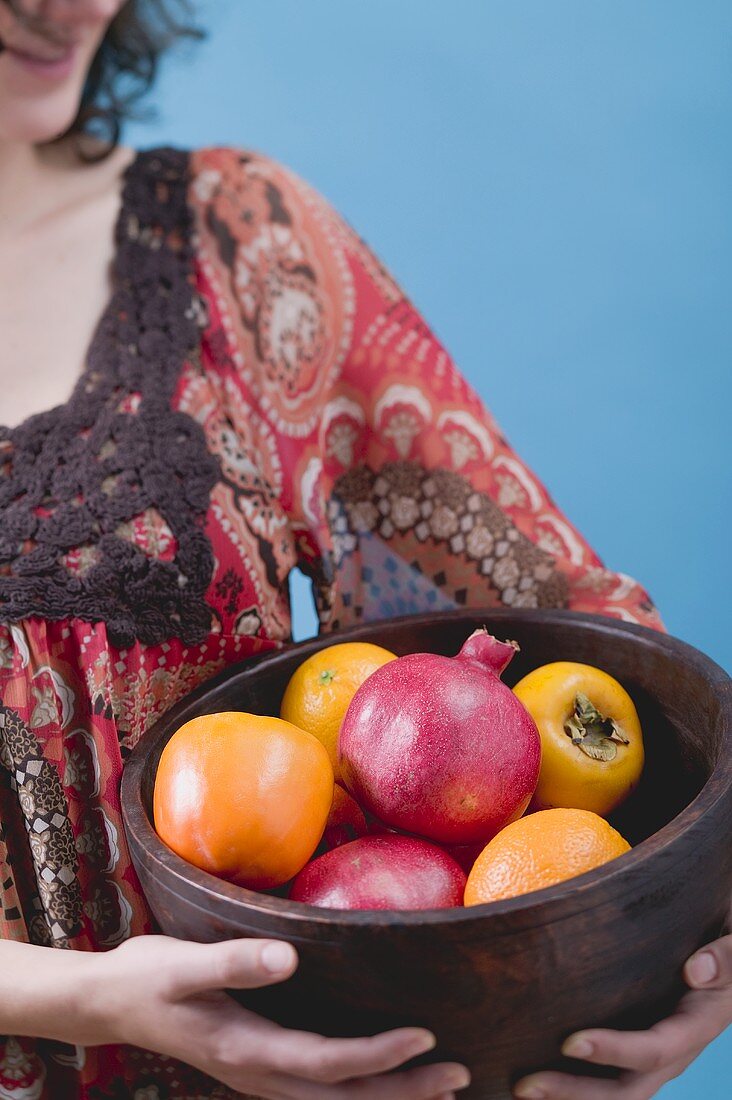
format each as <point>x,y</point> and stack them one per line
<point>46,50</point>
<point>46,54</point>
<point>47,63</point>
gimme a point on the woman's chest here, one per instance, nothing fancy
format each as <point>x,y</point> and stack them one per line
<point>151,501</point>
<point>54,285</point>
<point>113,606</point>
<point>159,515</point>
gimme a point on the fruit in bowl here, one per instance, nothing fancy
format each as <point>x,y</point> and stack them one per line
<point>501,984</point>
<point>440,746</point>
<point>432,748</point>
<point>592,743</point>
<point>322,687</point>
<point>243,797</point>
<point>346,821</point>
<point>541,850</point>
<point>382,872</point>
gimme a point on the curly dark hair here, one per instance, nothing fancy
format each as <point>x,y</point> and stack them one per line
<point>126,63</point>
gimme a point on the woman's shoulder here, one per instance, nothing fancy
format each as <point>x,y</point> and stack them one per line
<point>252,205</point>
<point>234,160</point>
<point>249,186</point>
<point>276,270</point>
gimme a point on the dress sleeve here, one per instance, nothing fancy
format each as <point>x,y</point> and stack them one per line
<point>402,492</point>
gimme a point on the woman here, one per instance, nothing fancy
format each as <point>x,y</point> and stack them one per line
<point>251,392</point>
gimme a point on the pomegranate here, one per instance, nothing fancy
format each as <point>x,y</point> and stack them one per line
<point>382,872</point>
<point>440,747</point>
<point>464,854</point>
<point>345,821</point>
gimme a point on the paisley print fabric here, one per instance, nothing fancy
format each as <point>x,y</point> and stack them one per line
<point>285,268</point>
<point>423,537</point>
<point>259,395</point>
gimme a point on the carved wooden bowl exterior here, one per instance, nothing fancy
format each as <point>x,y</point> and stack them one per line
<point>501,985</point>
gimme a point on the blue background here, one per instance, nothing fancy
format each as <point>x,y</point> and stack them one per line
<point>550,183</point>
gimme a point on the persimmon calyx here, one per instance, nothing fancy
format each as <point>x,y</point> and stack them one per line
<point>592,732</point>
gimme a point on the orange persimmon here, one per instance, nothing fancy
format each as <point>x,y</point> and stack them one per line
<point>243,796</point>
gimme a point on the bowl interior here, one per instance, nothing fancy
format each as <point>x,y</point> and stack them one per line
<point>668,681</point>
<point>503,984</point>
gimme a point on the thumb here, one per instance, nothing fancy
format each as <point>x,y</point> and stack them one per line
<point>711,968</point>
<point>232,964</point>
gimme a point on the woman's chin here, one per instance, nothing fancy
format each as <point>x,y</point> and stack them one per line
<point>35,123</point>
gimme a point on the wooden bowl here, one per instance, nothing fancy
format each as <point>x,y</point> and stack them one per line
<point>503,984</point>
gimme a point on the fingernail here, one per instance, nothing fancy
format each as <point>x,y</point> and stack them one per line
<point>277,957</point>
<point>425,1042</point>
<point>703,968</point>
<point>529,1092</point>
<point>457,1079</point>
<point>577,1047</point>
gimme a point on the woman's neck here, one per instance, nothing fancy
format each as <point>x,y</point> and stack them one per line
<point>29,176</point>
<point>39,182</point>
<point>21,174</point>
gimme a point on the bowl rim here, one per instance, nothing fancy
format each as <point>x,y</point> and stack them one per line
<point>549,904</point>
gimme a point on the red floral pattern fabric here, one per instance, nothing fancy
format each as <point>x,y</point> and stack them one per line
<point>329,429</point>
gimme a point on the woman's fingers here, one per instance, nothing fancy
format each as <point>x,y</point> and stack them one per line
<point>711,968</point>
<point>232,964</point>
<point>699,1019</point>
<point>316,1058</point>
<point>641,1051</point>
<point>421,1083</point>
<point>650,1058</point>
<point>291,1064</point>
<point>562,1086</point>
<point>653,1057</point>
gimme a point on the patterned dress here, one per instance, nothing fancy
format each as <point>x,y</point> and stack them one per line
<point>259,394</point>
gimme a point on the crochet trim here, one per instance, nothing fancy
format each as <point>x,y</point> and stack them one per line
<point>73,477</point>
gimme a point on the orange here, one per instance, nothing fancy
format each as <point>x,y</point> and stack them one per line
<point>243,797</point>
<point>540,850</point>
<point>318,695</point>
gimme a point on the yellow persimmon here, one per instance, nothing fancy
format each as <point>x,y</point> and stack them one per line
<point>591,738</point>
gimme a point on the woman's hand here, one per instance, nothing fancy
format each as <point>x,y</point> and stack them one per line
<point>649,1058</point>
<point>167,995</point>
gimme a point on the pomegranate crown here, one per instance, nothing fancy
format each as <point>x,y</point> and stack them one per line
<point>484,649</point>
